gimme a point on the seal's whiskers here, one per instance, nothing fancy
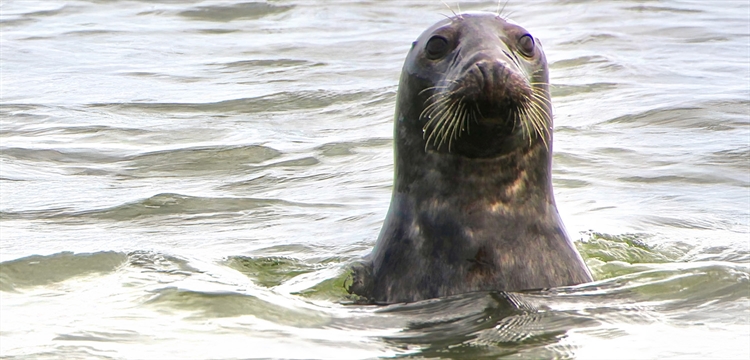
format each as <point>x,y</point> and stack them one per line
<point>446,118</point>
<point>436,118</point>
<point>457,122</point>
<point>534,115</point>
<point>443,131</point>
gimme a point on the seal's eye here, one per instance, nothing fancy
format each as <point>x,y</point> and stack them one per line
<point>526,45</point>
<point>436,47</point>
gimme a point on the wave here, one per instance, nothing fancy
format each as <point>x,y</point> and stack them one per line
<point>166,204</point>
<point>284,101</point>
<point>38,270</point>
<point>226,13</point>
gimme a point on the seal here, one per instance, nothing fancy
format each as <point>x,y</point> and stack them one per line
<point>472,206</point>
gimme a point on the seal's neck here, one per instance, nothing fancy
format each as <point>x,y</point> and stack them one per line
<point>519,173</point>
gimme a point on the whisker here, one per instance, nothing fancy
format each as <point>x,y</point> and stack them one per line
<point>455,122</point>
<point>430,109</point>
<point>438,120</point>
<point>449,8</point>
<point>499,10</point>
<point>443,131</point>
<point>538,120</point>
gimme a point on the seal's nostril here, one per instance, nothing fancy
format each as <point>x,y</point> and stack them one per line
<point>490,75</point>
<point>485,80</point>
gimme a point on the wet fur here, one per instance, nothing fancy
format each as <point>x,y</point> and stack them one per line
<point>472,206</point>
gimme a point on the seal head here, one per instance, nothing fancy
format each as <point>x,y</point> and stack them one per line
<point>472,206</point>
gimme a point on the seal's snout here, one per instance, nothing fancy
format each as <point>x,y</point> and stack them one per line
<point>493,76</point>
<point>484,89</point>
<point>494,85</point>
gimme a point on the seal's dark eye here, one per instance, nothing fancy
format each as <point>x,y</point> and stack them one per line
<point>526,45</point>
<point>436,47</point>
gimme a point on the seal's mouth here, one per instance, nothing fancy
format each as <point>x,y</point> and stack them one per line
<point>486,92</point>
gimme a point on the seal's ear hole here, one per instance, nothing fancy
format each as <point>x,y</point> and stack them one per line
<point>526,45</point>
<point>436,47</point>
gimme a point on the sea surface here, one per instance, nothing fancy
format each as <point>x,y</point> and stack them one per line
<point>192,179</point>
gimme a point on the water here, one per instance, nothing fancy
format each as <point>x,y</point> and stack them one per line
<point>191,179</point>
